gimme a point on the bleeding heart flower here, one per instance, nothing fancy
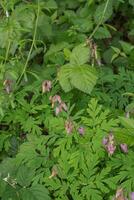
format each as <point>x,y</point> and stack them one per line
<point>124,148</point>
<point>105,141</point>
<point>111,149</point>
<point>57,110</point>
<point>8,85</point>
<point>69,126</point>
<point>46,86</point>
<point>81,130</point>
<point>60,105</point>
<point>120,195</point>
<point>55,99</point>
<point>132,196</point>
<point>109,144</point>
<point>54,172</point>
<point>63,106</point>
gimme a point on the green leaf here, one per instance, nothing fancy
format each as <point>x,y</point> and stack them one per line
<point>81,77</point>
<point>91,193</point>
<point>125,136</point>
<point>36,192</point>
<point>102,33</point>
<point>64,78</point>
<point>128,123</point>
<point>25,176</point>
<point>10,193</point>
<point>80,55</point>
<point>51,4</point>
<point>131,2</point>
<point>103,13</point>
<point>127,47</point>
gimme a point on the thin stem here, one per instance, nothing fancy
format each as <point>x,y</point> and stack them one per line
<point>101,20</point>
<point>7,51</point>
<point>31,48</point>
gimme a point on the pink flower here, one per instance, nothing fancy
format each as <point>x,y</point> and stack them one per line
<point>58,110</point>
<point>109,144</point>
<point>111,138</point>
<point>60,105</point>
<point>111,149</point>
<point>55,99</point>
<point>132,196</point>
<point>105,141</point>
<point>46,86</point>
<point>120,195</point>
<point>69,126</point>
<point>8,86</point>
<point>81,130</point>
<point>124,148</point>
<point>64,106</point>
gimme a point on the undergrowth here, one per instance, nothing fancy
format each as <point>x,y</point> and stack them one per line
<point>67,100</point>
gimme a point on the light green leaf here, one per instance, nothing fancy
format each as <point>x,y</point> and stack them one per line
<point>10,193</point>
<point>36,192</point>
<point>80,55</point>
<point>131,2</point>
<point>81,77</point>
<point>51,4</point>
<point>25,176</point>
<point>128,123</point>
<point>125,136</point>
<point>64,78</point>
<point>127,47</point>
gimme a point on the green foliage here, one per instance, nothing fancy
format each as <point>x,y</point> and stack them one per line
<point>80,77</point>
<point>67,94</point>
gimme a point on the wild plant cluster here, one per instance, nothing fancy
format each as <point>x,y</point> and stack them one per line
<point>67,100</point>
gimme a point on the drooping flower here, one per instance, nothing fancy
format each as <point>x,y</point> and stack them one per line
<point>127,114</point>
<point>46,86</point>
<point>132,195</point>
<point>81,130</point>
<point>124,148</point>
<point>111,149</point>
<point>111,138</point>
<point>54,172</point>
<point>58,110</point>
<point>120,195</point>
<point>55,99</point>
<point>69,126</point>
<point>105,141</point>
<point>63,106</point>
<point>109,144</point>
<point>58,104</point>
<point>7,14</point>
<point>8,85</point>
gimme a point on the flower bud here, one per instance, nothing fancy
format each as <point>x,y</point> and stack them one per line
<point>124,148</point>
<point>46,86</point>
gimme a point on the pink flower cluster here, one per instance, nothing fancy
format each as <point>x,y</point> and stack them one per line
<point>58,104</point>
<point>69,126</point>
<point>110,146</point>
<point>120,195</point>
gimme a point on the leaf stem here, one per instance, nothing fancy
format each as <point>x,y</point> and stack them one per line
<point>31,48</point>
<point>101,20</point>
